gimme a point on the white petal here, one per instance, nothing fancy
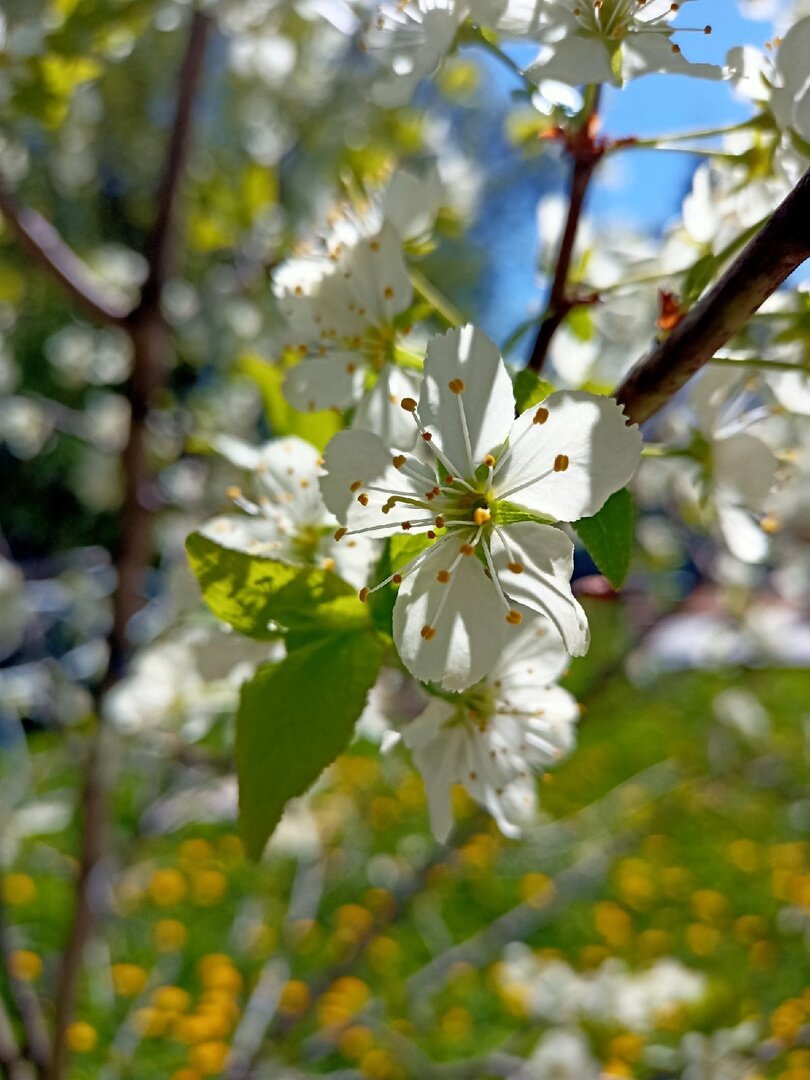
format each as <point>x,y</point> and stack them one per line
<point>330,382</point>
<point>354,558</point>
<point>544,585</point>
<point>533,655</point>
<point>289,469</point>
<point>741,533</point>
<point>377,277</point>
<point>380,411</point>
<point>469,631</point>
<point>602,451</point>
<point>743,469</point>
<point>253,535</point>
<point>645,54</point>
<point>240,453</point>
<point>411,202</point>
<point>487,400</point>
<point>353,456</point>
<point>574,60</point>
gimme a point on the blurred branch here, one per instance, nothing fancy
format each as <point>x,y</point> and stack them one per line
<point>41,241</point>
<point>12,1064</point>
<point>586,152</point>
<point>779,248</point>
<point>152,350</point>
<point>36,1047</point>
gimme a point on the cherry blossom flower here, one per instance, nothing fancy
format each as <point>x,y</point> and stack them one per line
<point>611,41</point>
<point>288,521</point>
<point>343,312</point>
<point>484,488</point>
<point>495,735</point>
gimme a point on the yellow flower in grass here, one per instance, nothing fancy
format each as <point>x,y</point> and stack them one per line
<point>128,979</point>
<point>169,935</point>
<point>295,998</point>
<point>166,887</point>
<point>82,1037</point>
<point>209,1057</point>
<point>171,999</point>
<point>25,965</point>
<point>19,889</point>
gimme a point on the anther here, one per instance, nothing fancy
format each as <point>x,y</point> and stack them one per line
<point>356,485</point>
<point>405,525</point>
<point>449,480</point>
<point>428,632</point>
<point>439,521</point>
<point>397,579</point>
<point>388,293</point>
<point>426,435</point>
<point>362,498</point>
<point>443,576</point>
<point>561,462</point>
<point>233,492</point>
<point>408,404</point>
<point>514,617</point>
<point>363,594</point>
<point>340,533</point>
<point>516,567</point>
<point>399,461</point>
<point>430,534</point>
<point>467,549</point>
<point>489,461</point>
<point>482,516</point>
<point>456,385</point>
<point>540,416</point>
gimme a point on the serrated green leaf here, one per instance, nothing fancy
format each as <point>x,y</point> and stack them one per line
<point>530,389</point>
<point>294,718</point>
<point>316,427</point>
<point>263,598</point>
<point>608,536</point>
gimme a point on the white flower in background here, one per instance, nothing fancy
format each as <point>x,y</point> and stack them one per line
<point>409,201</point>
<point>412,38</point>
<point>483,490</point>
<point>343,313</point>
<point>288,521</point>
<point>790,97</point>
<point>611,41</point>
<point>561,1055</point>
<point>738,467</point>
<point>496,735</point>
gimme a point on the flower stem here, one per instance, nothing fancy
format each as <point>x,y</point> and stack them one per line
<point>437,300</point>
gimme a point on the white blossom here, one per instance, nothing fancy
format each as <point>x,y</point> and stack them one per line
<point>610,41</point>
<point>485,489</point>
<point>495,735</point>
<point>288,521</point>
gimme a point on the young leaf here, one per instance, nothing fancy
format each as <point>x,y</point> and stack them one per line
<point>529,389</point>
<point>294,718</point>
<point>608,536</point>
<point>262,597</point>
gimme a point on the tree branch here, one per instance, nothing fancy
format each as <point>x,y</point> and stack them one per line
<point>152,351</point>
<point>587,152</point>
<point>40,240</point>
<point>25,1001</point>
<point>781,246</point>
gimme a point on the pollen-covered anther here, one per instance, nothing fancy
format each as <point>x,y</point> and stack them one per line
<point>540,416</point>
<point>428,632</point>
<point>388,292</point>
<point>233,492</point>
<point>439,521</point>
<point>397,579</point>
<point>456,385</point>
<point>405,525</point>
<point>561,462</point>
<point>341,532</point>
<point>426,435</point>
<point>482,515</point>
<point>514,617</point>
<point>362,498</point>
<point>770,524</point>
<point>408,404</point>
<point>489,461</point>
<point>449,480</point>
<point>398,461</point>
<point>443,576</point>
<point>356,485</point>
<point>467,549</point>
<point>363,594</point>
<point>516,567</point>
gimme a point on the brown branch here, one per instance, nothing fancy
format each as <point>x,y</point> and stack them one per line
<point>152,354</point>
<point>781,246</point>
<point>586,151</point>
<point>41,241</point>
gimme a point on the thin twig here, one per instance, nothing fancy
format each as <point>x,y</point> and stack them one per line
<point>779,248</point>
<point>40,240</point>
<point>586,155</point>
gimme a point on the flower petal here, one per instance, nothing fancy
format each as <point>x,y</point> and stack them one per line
<point>483,401</point>
<point>469,630</point>
<point>743,469</point>
<point>289,469</point>
<point>330,382</point>
<point>544,585</point>
<point>380,411</point>
<point>533,656</point>
<point>588,436</point>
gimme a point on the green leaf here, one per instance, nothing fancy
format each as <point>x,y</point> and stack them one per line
<point>608,536</point>
<point>530,389</point>
<point>698,277</point>
<point>316,427</point>
<point>262,597</point>
<point>294,718</point>
<point>580,322</point>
